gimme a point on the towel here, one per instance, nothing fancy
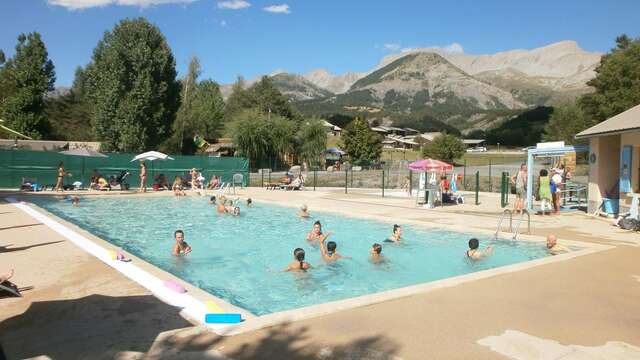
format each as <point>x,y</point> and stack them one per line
<point>633,212</point>
<point>453,185</point>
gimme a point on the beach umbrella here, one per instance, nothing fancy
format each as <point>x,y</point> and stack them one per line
<point>84,152</point>
<point>152,155</point>
<point>430,165</point>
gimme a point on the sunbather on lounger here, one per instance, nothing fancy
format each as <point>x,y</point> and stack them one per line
<point>6,276</point>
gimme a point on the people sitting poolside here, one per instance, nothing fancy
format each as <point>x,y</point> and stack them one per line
<point>214,182</point>
<point>304,211</point>
<point>375,254</point>
<point>180,247</point>
<point>396,235</point>
<point>474,251</point>
<point>553,247</point>
<point>161,182</point>
<point>177,187</point>
<point>298,263</point>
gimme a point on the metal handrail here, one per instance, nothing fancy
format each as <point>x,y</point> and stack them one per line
<point>517,232</point>
<point>501,219</point>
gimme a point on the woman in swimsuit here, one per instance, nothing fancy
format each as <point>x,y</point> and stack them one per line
<point>143,177</point>
<point>396,235</point>
<point>181,247</point>
<point>316,233</point>
<point>59,179</point>
<point>298,263</point>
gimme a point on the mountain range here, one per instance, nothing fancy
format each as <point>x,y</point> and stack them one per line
<point>465,91</point>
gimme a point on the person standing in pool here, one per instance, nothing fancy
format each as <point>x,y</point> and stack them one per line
<point>304,213</point>
<point>396,235</point>
<point>316,233</point>
<point>474,251</point>
<point>329,254</point>
<point>181,247</point>
<point>553,247</point>
<point>143,177</point>
<point>375,254</point>
<point>298,263</point>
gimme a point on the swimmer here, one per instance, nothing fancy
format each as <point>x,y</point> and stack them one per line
<point>316,233</point>
<point>475,253</point>
<point>249,202</point>
<point>375,254</point>
<point>75,200</point>
<point>330,254</point>
<point>553,247</point>
<point>396,235</point>
<point>181,247</point>
<point>236,211</point>
<point>220,208</point>
<point>298,263</point>
<point>304,213</point>
<point>212,200</point>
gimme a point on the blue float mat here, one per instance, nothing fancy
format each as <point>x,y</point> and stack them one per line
<point>229,318</point>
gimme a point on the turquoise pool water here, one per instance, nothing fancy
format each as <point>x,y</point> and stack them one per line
<point>241,258</point>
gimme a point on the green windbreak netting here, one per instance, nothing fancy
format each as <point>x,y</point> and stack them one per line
<point>42,167</point>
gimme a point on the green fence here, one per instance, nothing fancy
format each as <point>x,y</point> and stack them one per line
<point>42,166</point>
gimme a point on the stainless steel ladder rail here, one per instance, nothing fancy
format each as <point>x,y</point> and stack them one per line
<point>517,232</point>
<point>504,213</point>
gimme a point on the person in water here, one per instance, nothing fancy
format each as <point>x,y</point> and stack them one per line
<point>474,251</point>
<point>375,254</point>
<point>235,211</point>
<point>396,235</point>
<point>329,254</point>
<point>212,200</point>
<point>298,263</point>
<point>181,247</point>
<point>304,212</point>
<point>553,247</point>
<point>316,233</point>
<point>75,200</point>
<point>249,202</point>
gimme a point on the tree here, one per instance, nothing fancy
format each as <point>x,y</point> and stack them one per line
<point>262,96</point>
<point>131,82</point>
<point>565,122</point>
<point>313,140</point>
<point>262,138</point>
<point>201,112</point>
<point>70,115</point>
<point>362,144</point>
<point>617,81</point>
<point>25,79</point>
<point>239,100</point>
<point>444,147</point>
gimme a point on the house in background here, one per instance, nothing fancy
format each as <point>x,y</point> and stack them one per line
<point>332,129</point>
<point>614,161</point>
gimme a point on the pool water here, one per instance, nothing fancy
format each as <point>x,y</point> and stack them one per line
<point>241,259</point>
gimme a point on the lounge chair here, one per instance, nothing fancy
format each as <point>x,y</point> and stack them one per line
<point>9,289</point>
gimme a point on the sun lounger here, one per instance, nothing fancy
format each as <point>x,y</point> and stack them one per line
<point>9,289</point>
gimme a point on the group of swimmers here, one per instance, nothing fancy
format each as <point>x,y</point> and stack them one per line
<point>329,251</point>
<point>228,206</point>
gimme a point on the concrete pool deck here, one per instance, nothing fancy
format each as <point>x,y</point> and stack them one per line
<point>82,308</point>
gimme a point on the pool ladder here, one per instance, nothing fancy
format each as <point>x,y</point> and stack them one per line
<point>517,231</point>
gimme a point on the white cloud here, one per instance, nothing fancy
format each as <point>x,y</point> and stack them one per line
<point>85,4</point>
<point>233,4</point>
<point>278,9</point>
<point>453,48</point>
<point>392,47</point>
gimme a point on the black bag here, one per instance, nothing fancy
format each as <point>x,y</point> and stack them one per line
<point>629,224</point>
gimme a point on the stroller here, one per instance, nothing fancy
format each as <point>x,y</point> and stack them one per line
<point>119,182</point>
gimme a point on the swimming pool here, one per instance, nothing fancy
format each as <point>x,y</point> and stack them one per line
<point>240,259</point>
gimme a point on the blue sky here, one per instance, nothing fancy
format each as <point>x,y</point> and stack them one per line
<point>241,37</point>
